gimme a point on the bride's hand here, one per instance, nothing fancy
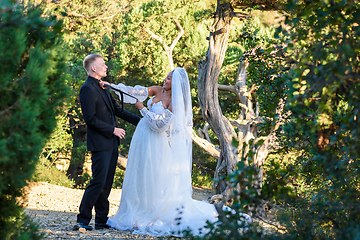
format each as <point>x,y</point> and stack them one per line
<point>139,105</point>
<point>102,83</point>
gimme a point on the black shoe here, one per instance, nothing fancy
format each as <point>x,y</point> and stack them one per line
<point>101,226</point>
<point>82,225</point>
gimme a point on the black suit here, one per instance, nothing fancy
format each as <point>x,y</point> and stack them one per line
<point>99,109</point>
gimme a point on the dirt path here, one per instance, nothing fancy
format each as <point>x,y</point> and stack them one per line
<point>55,209</point>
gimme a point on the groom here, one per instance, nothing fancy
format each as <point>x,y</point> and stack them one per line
<point>99,109</point>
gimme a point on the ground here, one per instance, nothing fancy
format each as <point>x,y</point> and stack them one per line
<point>55,208</point>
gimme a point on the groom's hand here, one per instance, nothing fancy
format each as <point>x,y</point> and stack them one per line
<point>119,132</point>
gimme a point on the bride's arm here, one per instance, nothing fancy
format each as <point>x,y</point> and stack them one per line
<point>157,122</point>
<point>140,92</point>
<point>153,90</point>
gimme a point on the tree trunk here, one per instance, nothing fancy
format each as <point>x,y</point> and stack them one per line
<point>78,132</point>
<point>209,70</point>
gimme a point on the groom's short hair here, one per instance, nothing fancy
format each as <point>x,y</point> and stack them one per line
<point>89,59</point>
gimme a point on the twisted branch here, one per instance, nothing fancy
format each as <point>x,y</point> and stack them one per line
<point>168,50</point>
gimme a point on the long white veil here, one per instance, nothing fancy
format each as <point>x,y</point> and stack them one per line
<point>181,142</point>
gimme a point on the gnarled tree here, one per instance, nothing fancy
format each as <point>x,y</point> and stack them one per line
<point>209,70</point>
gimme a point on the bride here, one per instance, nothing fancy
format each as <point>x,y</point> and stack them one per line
<point>156,195</point>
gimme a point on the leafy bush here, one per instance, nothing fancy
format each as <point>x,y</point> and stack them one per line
<point>200,177</point>
<point>320,138</point>
<point>119,178</point>
<point>25,228</point>
<point>49,173</point>
<point>34,87</point>
<point>59,143</point>
<point>324,100</point>
<point>230,224</point>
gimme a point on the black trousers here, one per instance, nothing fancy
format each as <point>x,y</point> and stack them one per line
<point>97,192</point>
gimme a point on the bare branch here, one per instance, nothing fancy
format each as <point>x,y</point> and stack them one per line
<point>243,106</point>
<point>18,79</point>
<point>241,74</point>
<point>168,50</point>
<point>104,18</point>
<point>253,88</point>
<point>270,223</point>
<point>238,123</point>
<point>239,15</point>
<point>100,16</point>
<point>270,139</point>
<point>204,133</point>
<point>158,38</point>
<point>7,110</point>
<point>206,145</point>
<point>259,139</point>
<point>180,33</point>
<point>227,88</point>
<point>74,13</point>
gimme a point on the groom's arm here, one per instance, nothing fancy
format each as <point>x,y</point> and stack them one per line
<point>125,115</point>
<point>129,117</point>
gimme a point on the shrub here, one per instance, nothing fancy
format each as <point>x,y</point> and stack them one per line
<point>119,178</point>
<point>200,177</point>
<point>33,66</point>
<point>50,174</point>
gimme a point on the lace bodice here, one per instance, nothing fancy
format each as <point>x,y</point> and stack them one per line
<point>157,108</point>
<point>158,118</point>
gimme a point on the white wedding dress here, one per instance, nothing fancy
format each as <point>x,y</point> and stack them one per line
<point>151,201</point>
<point>157,193</point>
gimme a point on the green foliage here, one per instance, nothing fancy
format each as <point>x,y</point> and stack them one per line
<point>255,44</point>
<point>267,66</point>
<point>34,87</point>
<point>203,168</point>
<point>88,29</point>
<point>231,224</point>
<point>116,30</point>
<point>140,59</point>
<point>316,179</point>
<point>25,228</point>
<point>200,177</point>
<point>59,142</point>
<point>267,70</point>
<point>119,178</point>
<point>45,172</point>
<point>324,101</point>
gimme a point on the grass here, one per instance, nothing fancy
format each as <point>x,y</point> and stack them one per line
<point>51,174</point>
<point>200,177</point>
